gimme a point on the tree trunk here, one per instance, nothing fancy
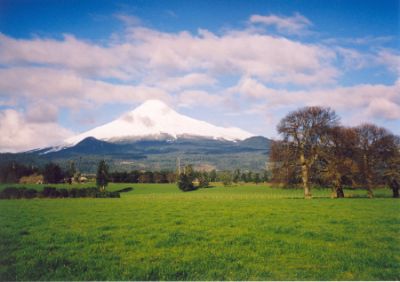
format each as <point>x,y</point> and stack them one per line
<point>339,187</point>
<point>368,177</point>
<point>340,192</point>
<point>304,177</point>
<point>395,188</point>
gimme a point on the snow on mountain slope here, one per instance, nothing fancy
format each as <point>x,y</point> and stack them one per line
<point>154,119</point>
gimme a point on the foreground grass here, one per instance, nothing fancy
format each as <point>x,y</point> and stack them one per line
<point>156,232</point>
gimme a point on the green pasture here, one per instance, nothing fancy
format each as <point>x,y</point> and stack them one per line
<point>156,232</point>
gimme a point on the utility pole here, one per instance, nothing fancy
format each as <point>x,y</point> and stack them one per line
<point>178,164</point>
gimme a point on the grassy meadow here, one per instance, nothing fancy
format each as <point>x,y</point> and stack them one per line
<point>156,232</point>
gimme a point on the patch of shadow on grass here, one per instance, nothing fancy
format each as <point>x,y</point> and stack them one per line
<point>124,190</point>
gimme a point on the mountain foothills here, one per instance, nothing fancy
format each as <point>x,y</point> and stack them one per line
<point>155,137</point>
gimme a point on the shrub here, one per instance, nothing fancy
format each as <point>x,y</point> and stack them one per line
<point>50,192</point>
<point>73,193</point>
<point>185,183</point>
<point>29,193</point>
<point>63,193</point>
<point>203,181</point>
<point>11,193</point>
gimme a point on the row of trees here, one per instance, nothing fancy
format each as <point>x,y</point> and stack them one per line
<point>11,172</point>
<point>190,179</point>
<point>316,149</point>
<point>52,173</point>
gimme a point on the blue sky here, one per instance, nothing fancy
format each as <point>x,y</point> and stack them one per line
<point>68,66</point>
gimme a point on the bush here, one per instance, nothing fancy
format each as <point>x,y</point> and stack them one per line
<point>11,193</point>
<point>203,181</point>
<point>185,183</point>
<point>73,193</point>
<point>51,192</point>
<point>226,178</point>
<point>63,193</point>
<point>29,193</point>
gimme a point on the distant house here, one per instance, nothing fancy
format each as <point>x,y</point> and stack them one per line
<point>83,179</point>
<point>32,179</point>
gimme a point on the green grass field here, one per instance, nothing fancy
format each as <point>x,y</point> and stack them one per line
<point>156,232</point>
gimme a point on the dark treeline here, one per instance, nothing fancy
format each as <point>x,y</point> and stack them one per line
<point>137,176</point>
<point>52,174</point>
<point>316,149</point>
<point>13,171</point>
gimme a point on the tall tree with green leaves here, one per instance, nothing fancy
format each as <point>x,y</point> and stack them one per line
<point>52,173</point>
<point>236,176</point>
<point>213,175</point>
<point>185,181</point>
<point>102,175</point>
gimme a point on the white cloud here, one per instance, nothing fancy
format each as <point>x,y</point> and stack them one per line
<point>361,102</point>
<point>391,59</point>
<point>44,75</point>
<point>42,112</point>
<point>23,134</point>
<point>149,53</point>
<point>189,98</point>
<point>186,81</point>
<point>296,24</point>
<point>69,90</point>
<point>128,20</point>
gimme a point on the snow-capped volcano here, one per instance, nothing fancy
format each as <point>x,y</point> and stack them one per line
<point>154,119</point>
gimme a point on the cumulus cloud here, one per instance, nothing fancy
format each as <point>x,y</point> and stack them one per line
<point>189,98</point>
<point>146,52</point>
<point>391,59</point>
<point>186,81</point>
<point>69,90</point>
<point>44,75</point>
<point>23,134</point>
<point>296,24</point>
<point>361,102</point>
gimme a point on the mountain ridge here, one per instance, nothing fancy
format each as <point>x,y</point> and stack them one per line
<point>248,154</point>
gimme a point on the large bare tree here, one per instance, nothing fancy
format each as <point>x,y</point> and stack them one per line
<point>389,151</point>
<point>371,146</point>
<point>338,155</point>
<point>283,163</point>
<point>307,129</point>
